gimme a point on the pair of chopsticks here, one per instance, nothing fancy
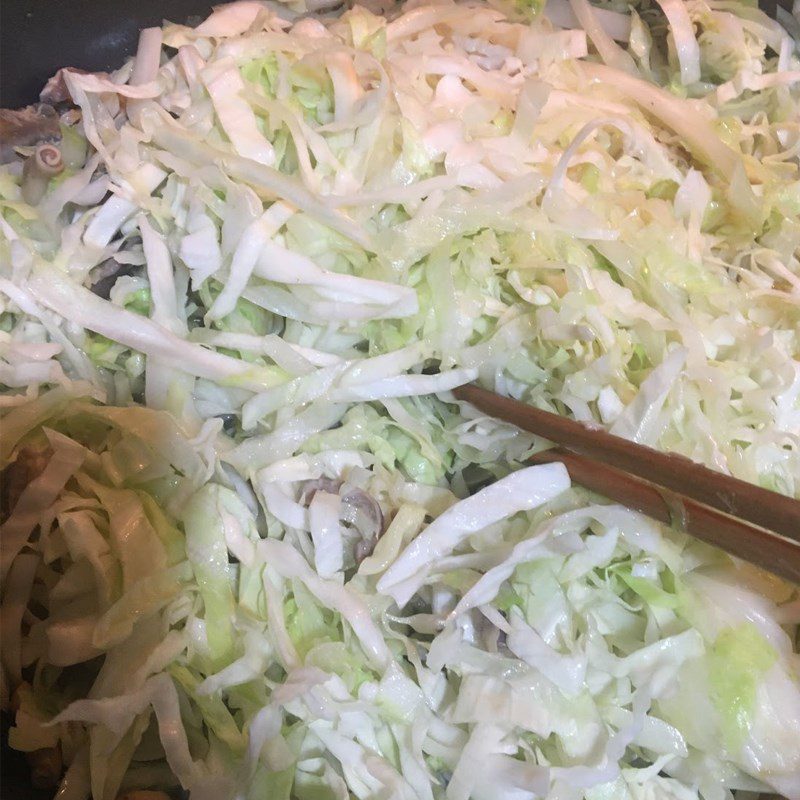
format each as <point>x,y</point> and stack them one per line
<point>749,522</point>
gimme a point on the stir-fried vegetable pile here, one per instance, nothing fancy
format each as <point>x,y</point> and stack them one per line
<point>251,545</point>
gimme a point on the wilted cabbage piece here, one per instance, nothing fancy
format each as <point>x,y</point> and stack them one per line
<point>214,632</point>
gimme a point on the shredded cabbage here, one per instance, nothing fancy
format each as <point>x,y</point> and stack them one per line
<point>250,544</point>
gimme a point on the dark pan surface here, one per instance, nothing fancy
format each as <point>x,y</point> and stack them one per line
<point>37,37</point>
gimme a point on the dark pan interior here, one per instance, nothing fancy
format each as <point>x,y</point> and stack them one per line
<point>37,37</point>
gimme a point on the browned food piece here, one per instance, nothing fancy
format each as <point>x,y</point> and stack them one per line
<point>15,701</point>
<point>56,90</point>
<point>30,463</point>
<point>25,127</point>
<point>46,767</point>
<point>310,488</point>
<point>359,510</point>
<point>362,511</point>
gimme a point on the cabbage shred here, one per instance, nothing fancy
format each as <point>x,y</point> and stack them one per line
<point>251,544</point>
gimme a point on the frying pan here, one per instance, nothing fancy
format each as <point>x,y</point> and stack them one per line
<point>38,37</point>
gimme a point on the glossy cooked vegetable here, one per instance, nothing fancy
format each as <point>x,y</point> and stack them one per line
<point>252,546</point>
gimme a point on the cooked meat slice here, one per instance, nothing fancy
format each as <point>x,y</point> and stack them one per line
<point>25,127</point>
<point>56,91</point>
<point>30,463</point>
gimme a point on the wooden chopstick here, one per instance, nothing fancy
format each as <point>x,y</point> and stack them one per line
<point>733,497</point>
<point>764,548</point>
<point>666,487</point>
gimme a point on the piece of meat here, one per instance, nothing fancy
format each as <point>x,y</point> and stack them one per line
<point>310,488</point>
<point>25,127</point>
<point>30,463</point>
<point>56,91</point>
<point>362,511</point>
<point>46,767</point>
<point>15,701</point>
<point>359,510</point>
